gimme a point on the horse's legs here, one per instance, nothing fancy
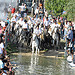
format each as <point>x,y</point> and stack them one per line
<point>53,42</point>
<point>57,41</point>
<point>36,50</point>
<point>32,49</point>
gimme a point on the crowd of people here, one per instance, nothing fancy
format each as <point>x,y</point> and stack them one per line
<point>38,25</point>
<point>5,65</point>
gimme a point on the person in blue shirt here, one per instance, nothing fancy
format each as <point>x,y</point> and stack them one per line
<point>70,34</point>
<point>7,20</point>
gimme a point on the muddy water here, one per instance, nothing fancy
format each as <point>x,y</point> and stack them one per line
<point>37,65</point>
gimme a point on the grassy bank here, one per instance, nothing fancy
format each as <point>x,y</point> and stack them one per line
<point>11,48</point>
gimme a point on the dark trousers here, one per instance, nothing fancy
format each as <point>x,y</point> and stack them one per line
<point>39,41</point>
<point>22,13</point>
<point>25,33</point>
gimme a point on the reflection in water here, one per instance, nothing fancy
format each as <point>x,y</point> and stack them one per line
<point>34,62</point>
<point>36,65</point>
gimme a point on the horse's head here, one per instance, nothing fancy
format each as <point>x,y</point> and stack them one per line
<point>34,37</point>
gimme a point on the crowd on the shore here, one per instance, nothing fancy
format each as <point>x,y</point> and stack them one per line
<point>5,65</point>
<point>38,25</point>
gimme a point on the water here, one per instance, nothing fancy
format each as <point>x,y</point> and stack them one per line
<point>37,65</point>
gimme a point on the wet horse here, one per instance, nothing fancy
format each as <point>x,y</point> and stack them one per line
<point>35,43</point>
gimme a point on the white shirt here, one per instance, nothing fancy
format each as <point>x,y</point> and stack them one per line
<point>4,74</point>
<point>1,64</point>
<point>66,25</point>
<point>1,46</point>
<point>14,19</point>
<point>36,11</point>
<point>46,23</point>
<point>54,25</point>
<point>20,22</point>
<point>33,21</point>
<point>39,20</point>
<point>30,24</point>
<point>37,31</point>
<point>22,8</point>
<point>57,25</point>
<point>2,24</point>
<point>18,15</point>
<point>25,25</point>
<point>46,13</point>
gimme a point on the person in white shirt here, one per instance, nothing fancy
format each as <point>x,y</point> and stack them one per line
<point>1,63</point>
<point>33,21</point>
<point>22,9</point>
<point>39,19</point>
<point>46,23</point>
<point>38,32</point>
<point>65,28</point>
<point>14,19</point>
<point>25,29</point>
<point>2,23</point>
<point>46,13</point>
<point>1,47</point>
<point>25,11</point>
<point>54,25</point>
<point>18,15</point>
<point>13,22</point>
<point>25,25</point>
<point>20,22</point>
<point>36,12</point>
<point>30,24</point>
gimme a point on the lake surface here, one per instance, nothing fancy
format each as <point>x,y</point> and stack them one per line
<point>37,65</point>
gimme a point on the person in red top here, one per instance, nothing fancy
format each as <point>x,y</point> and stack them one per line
<point>13,11</point>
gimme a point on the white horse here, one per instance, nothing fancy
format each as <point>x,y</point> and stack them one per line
<point>35,43</point>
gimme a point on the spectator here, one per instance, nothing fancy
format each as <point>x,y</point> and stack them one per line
<point>1,63</point>
<point>7,20</point>
<point>18,15</point>
<point>36,12</point>
<point>13,11</point>
<point>46,23</point>
<point>70,34</point>
<point>25,11</point>
<point>22,8</point>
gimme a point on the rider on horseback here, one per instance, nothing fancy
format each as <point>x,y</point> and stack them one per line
<point>25,29</point>
<point>38,32</point>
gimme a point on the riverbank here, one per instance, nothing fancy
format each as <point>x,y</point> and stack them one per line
<point>49,54</point>
<point>12,49</point>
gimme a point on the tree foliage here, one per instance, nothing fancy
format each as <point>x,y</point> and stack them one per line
<point>70,8</point>
<point>58,6</point>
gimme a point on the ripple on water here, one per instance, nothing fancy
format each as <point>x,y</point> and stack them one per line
<point>42,66</point>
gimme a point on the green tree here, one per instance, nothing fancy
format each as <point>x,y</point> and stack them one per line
<point>56,6</point>
<point>70,8</point>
